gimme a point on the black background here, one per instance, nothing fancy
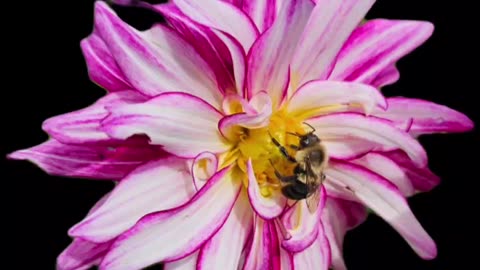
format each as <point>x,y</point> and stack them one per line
<point>46,75</point>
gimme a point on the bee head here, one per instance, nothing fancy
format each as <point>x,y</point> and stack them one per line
<point>308,139</point>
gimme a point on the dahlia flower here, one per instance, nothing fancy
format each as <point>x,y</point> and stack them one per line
<point>187,127</point>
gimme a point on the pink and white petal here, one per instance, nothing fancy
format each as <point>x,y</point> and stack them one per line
<point>238,59</point>
<point>221,16</point>
<point>156,186</point>
<point>260,117</point>
<point>347,148</point>
<point>338,217</point>
<point>83,126</point>
<point>383,198</point>
<point>389,169</point>
<point>421,177</point>
<point>224,249</point>
<point>386,77</point>
<point>329,26</point>
<point>259,256</point>
<point>82,255</point>
<point>189,227</point>
<point>157,60</point>
<point>262,12</point>
<point>101,65</point>
<point>315,257</point>
<point>266,207</point>
<point>270,56</point>
<point>375,130</point>
<point>187,263</point>
<point>375,46</point>
<point>285,258</point>
<point>428,117</point>
<point>184,124</point>
<point>203,166</point>
<point>207,44</point>
<point>109,162</point>
<point>322,97</point>
<point>302,225</point>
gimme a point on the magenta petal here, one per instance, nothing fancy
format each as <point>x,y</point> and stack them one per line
<point>375,46</point>
<point>428,117</point>
<point>156,186</point>
<point>188,226</point>
<point>421,177</point>
<point>388,76</point>
<point>328,27</point>
<point>83,126</point>
<point>222,16</point>
<point>82,254</point>
<point>224,249</point>
<point>385,199</point>
<point>351,126</point>
<point>270,56</point>
<point>89,161</point>
<point>102,67</point>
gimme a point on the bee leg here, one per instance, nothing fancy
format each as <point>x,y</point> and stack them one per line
<point>284,179</point>
<point>294,147</point>
<point>283,150</point>
<point>296,191</point>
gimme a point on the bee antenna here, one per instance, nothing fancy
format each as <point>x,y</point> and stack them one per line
<point>313,129</point>
<point>294,134</point>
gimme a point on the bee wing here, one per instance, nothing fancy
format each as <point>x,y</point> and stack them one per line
<point>313,182</point>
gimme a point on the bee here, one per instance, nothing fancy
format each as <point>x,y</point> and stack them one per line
<point>311,160</point>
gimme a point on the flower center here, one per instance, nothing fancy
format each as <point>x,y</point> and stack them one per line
<point>257,145</point>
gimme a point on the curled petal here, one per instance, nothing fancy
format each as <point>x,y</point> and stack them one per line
<point>189,227</point>
<point>388,76</point>
<point>375,46</point>
<point>265,207</point>
<point>224,249</point>
<point>384,199</point>
<point>157,60</point>
<point>389,169</point>
<point>427,117</point>
<point>204,166</point>
<point>329,26</point>
<point>185,125</point>
<point>270,56</point>
<point>102,67</point>
<point>109,161</point>
<point>386,136</point>
<point>156,186</point>
<point>302,225</point>
<point>83,126</point>
<point>222,16</point>
<point>258,118</point>
<point>321,97</point>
